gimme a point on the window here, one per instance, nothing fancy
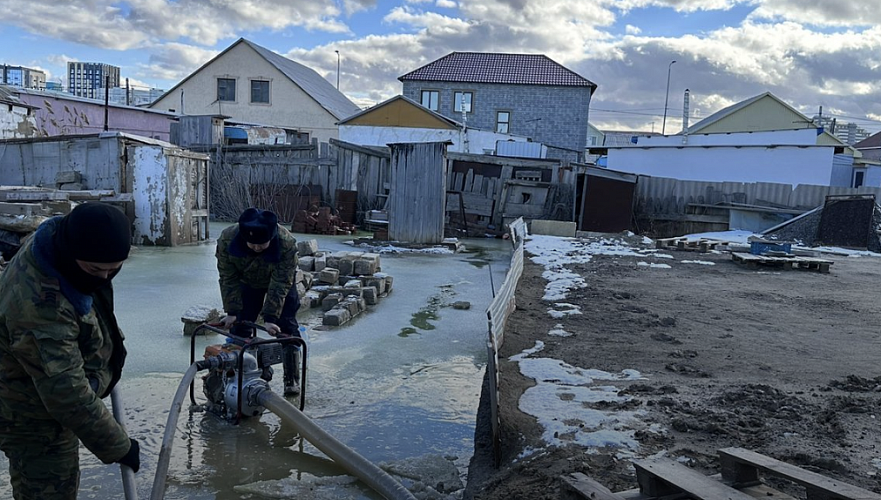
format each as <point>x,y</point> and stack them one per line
<point>858,178</point>
<point>260,91</point>
<point>462,102</point>
<point>503,119</point>
<point>429,99</point>
<point>226,89</point>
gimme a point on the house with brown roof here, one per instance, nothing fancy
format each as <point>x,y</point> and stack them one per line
<point>867,170</point>
<point>523,94</point>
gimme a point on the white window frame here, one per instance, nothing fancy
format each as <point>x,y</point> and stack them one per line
<point>458,96</point>
<point>432,95</point>
<point>506,123</point>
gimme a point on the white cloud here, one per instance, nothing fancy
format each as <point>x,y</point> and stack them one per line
<point>632,30</point>
<point>446,4</point>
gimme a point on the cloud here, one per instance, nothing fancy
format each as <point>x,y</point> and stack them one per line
<point>446,4</point>
<point>847,13</point>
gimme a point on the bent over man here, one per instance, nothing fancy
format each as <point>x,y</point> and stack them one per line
<point>257,263</point>
<point>61,352</point>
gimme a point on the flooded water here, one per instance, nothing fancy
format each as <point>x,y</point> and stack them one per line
<point>401,381</point>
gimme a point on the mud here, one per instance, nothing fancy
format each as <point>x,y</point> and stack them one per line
<point>784,363</point>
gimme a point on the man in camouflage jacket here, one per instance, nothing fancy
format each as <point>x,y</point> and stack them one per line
<point>61,352</point>
<point>257,263</point>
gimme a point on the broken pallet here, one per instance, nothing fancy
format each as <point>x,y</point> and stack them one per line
<point>788,262</point>
<point>684,243</point>
<point>740,480</point>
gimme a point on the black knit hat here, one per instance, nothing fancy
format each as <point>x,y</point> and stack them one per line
<point>95,232</point>
<point>258,226</point>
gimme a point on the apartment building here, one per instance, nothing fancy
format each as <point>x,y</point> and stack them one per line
<point>86,79</point>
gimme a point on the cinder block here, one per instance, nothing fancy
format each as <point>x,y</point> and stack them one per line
<point>333,260</point>
<point>329,275</point>
<point>331,300</point>
<point>336,317</point>
<point>353,283</point>
<point>320,262</point>
<point>377,283</point>
<point>553,228</point>
<point>312,299</point>
<point>307,248</point>
<point>306,263</point>
<point>347,265</point>
<point>371,298</point>
<point>387,282</point>
<point>353,305</point>
<point>365,267</point>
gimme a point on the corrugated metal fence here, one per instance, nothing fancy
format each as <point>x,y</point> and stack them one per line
<point>659,195</point>
<point>497,314</point>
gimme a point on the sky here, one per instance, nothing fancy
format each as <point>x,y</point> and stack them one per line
<point>810,53</point>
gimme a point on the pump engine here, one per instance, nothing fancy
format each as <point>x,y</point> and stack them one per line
<point>226,373</point>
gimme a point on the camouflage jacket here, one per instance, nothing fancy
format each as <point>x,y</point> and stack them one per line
<point>60,350</point>
<point>273,270</point>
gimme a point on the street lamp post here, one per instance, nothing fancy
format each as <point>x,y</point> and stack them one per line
<point>337,69</point>
<point>666,99</point>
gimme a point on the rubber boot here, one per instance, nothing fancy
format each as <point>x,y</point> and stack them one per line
<point>291,370</point>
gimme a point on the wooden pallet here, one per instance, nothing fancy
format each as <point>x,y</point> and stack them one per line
<point>693,244</point>
<point>740,480</point>
<point>788,262</point>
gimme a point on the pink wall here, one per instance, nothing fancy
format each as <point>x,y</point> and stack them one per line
<point>58,115</point>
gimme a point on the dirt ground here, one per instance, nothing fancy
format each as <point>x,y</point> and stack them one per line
<point>784,363</point>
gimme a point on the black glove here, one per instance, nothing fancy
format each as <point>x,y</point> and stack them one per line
<point>132,459</point>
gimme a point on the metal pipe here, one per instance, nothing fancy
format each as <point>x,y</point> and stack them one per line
<point>128,475</point>
<point>360,467</point>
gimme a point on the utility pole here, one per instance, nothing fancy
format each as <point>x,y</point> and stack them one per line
<point>106,100</point>
<point>666,98</point>
<point>337,69</point>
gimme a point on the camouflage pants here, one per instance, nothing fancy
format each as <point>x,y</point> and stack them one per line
<point>43,460</point>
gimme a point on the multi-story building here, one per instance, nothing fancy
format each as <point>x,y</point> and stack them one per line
<point>523,94</point>
<point>19,76</point>
<point>848,133</point>
<point>89,79</point>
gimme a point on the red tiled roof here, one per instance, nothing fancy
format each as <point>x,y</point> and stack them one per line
<point>485,67</point>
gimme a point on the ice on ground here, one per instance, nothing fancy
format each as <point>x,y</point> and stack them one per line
<point>663,256</point>
<point>702,262</point>
<point>559,331</point>
<point>561,401</point>
<point>656,266</point>
<point>435,470</point>
<point>567,310</point>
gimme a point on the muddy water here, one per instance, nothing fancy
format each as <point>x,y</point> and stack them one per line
<point>401,381</point>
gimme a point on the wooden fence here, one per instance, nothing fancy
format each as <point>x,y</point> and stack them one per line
<point>417,192</point>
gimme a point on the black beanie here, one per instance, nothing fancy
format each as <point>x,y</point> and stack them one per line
<point>95,232</point>
<point>258,226</point>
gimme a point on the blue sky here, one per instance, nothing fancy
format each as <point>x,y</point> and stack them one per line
<point>810,53</point>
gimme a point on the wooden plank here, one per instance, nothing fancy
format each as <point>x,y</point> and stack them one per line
<point>37,195</point>
<point>26,209</point>
<point>478,184</point>
<point>577,486</point>
<point>469,180</point>
<point>666,477</point>
<point>736,463</point>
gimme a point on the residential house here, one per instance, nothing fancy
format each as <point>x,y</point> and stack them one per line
<point>523,94</point>
<point>61,113</point>
<point>16,117</point>
<point>401,120</point>
<point>761,139</point>
<point>867,170</point>
<point>252,84</point>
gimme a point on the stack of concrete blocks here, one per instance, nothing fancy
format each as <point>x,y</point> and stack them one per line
<point>196,316</point>
<point>343,283</point>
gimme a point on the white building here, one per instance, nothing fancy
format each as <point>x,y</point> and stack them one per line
<point>251,84</point>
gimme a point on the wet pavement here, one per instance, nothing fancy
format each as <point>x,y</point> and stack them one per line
<point>402,380</point>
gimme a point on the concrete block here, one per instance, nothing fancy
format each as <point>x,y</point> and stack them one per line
<point>312,299</point>
<point>331,300</point>
<point>329,275</point>
<point>195,316</point>
<point>553,228</point>
<point>336,317</point>
<point>333,260</point>
<point>353,305</point>
<point>377,283</point>
<point>353,283</point>
<point>71,186</point>
<point>388,281</point>
<point>307,248</point>
<point>320,262</point>
<point>366,267</point>
<point>306,263</point>
<point>371,297</point>
<point>347,265</point>
<point>304,278</point>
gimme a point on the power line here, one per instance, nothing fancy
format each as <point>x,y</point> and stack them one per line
<point>624,112</point>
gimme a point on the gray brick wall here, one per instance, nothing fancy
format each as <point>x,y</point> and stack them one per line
<point>554,116</point>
